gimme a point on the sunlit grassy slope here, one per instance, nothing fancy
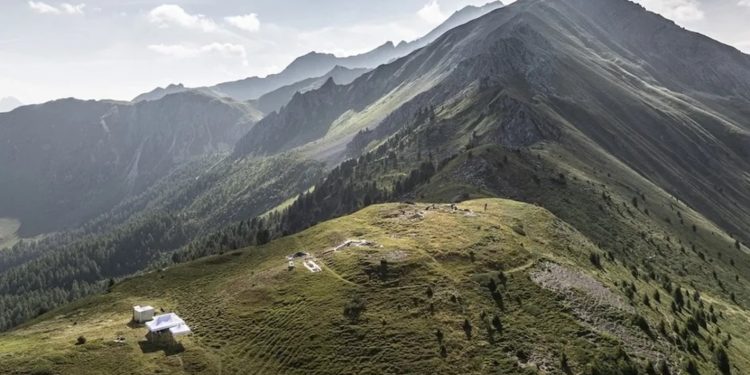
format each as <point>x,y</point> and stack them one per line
<point>426,270</point>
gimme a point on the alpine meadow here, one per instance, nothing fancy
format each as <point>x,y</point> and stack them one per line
<point>536,187</point>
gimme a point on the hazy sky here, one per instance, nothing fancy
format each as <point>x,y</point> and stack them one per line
<point>120,48</point>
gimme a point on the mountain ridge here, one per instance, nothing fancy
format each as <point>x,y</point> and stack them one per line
<point>274,100</point>
<point>316,64</point>
<point>102,151</point>
<point>530,54</point>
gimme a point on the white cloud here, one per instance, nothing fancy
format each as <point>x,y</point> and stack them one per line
<point>432,13</point>
<point>64,8</point>
<point>72,9</point>
<point>744,3</point>
<point>173,15</point>
<point>183,51</point>
<point>43,8</point>
<point>247,22</point>
<point>677,10</point>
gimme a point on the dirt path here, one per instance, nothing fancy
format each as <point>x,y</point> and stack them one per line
<point>525,267</point>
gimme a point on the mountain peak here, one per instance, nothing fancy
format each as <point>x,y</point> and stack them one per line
<point>328,84</point>
<point>313,55</point>
<point>387,45</point>
<point>336,69</point>
<point>490,5</point>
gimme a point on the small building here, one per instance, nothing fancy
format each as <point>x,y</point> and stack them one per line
<point>142,314</point>
<point>164,328</point>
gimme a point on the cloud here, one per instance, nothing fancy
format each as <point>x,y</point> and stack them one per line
<point>173,15</point>
<point>247,22</point>
<point>432,13</point>
<point>183,51</point>
<point>72,9</point>
<point>43,8</point>
<point>677,10</point>
<point>64,8</point>
<point>744,3</point>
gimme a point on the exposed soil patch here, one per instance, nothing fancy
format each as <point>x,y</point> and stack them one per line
<point>597,307</point>
<point>566,281</point>
<point>346,245</point>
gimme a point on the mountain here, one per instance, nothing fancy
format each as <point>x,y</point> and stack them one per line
<point>392,296</point>
<point>425,285</point>
<point>161,92</point>
<point>9,103</point>
<point>624,125</point>
<point>315,64</point>
<point>619,137</point>
<point>524,73</point>
<point>69,160</point>
<point>458,18</point>
<point>274,100</point>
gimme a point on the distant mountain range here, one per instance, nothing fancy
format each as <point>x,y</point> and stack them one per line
<point>316,64</point>
<point>133,144</point>
<point>67,161</point>
<point>9,103</point>
<point>274,100</point>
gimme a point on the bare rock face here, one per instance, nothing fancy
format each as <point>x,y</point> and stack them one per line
<point>520,126</point>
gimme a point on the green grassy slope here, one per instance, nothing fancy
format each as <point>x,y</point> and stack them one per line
<point>144,232</point>
<point>426,270</point>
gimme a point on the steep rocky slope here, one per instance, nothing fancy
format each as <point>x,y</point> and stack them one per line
<point>274,100</point>
<point>578,73</point>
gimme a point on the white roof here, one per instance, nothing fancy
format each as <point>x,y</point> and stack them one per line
<point>166,321</point>
<point>143,308</point>
<point>180,330</point>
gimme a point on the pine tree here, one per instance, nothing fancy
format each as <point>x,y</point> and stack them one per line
<point>722,361</point>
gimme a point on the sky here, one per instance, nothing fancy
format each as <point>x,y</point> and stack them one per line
<point>117,49</point>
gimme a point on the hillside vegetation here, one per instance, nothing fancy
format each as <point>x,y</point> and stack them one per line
<point>508,290</point>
